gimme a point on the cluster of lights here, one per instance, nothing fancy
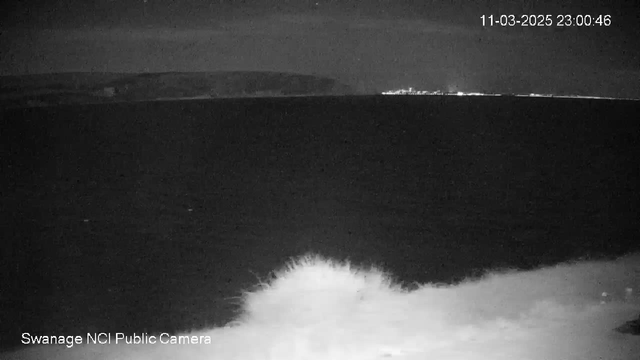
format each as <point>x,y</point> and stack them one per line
<point>606,297</point>
<point>412,91</point>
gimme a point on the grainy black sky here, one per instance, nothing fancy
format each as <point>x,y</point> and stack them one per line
<point>448,48</point>
<point>71,13</point>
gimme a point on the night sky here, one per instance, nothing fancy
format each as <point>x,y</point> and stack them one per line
<point>64,13</point>
<point>371,44</point>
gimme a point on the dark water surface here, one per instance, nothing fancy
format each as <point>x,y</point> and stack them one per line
<point>145,216</point>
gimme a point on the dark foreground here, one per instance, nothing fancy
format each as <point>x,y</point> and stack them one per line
<point>152,216</point>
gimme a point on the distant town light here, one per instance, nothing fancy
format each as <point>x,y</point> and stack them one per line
<point>411,91</point>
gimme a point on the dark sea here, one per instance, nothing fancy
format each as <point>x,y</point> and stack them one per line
<point>154,216</point>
